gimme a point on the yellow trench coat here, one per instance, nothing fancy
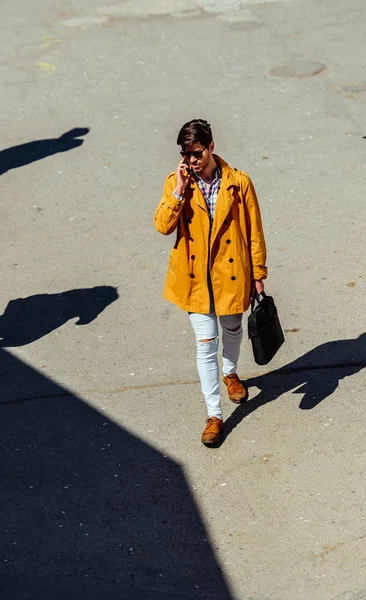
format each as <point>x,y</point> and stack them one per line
<point>234,251</point>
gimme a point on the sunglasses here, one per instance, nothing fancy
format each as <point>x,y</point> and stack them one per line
<point>195,153</point>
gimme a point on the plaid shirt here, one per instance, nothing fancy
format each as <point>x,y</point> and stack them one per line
<point>210,190</point>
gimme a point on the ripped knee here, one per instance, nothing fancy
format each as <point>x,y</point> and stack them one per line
<point>207,349</point>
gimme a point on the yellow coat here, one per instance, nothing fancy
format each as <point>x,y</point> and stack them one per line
<point>235,249</point>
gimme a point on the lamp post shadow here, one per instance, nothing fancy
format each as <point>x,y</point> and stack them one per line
<point>26,320</point>
<point>24,154</point>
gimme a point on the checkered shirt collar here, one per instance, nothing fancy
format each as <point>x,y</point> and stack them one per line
<point>211,191</point>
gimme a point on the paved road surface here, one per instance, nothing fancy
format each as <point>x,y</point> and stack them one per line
<point>107,491</point>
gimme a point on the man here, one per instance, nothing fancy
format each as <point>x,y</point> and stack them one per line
<point>217,262</point>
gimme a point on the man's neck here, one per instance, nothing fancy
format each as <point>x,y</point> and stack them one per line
<point>209,172</point>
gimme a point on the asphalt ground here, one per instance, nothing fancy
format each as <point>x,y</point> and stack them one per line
<point>106,488</point>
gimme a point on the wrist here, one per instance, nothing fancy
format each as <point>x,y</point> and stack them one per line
<point>178,197</point>
<point>179,191</point>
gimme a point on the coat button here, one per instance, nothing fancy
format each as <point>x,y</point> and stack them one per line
<point>191,239</point>
<point>228,241</point>
<point>193,257</point>
<point>233,278</point>
<point>231,260</point>
<point>189,221</point>
<point>191,275</point>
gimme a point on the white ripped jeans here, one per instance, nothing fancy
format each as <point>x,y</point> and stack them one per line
<point>206,328</point>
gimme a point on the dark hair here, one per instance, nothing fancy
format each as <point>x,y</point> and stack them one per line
<point>196,130</point>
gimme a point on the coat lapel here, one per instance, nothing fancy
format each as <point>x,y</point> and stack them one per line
<point>197,196</point>
<point>225,197</point>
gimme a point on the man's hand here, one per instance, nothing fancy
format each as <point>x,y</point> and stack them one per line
<point>183,177</point>
<point>257,286</point>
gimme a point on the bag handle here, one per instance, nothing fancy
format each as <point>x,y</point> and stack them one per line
<point>256,297</point>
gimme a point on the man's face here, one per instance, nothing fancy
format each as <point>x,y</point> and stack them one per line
<point>200,160</point>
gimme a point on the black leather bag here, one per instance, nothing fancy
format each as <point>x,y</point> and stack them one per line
<point>264,329</point>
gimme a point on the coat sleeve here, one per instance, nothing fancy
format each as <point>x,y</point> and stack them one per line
<point>257,244</point>
<point>169,208</point>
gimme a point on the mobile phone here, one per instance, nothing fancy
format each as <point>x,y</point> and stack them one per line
<point>188,168</point>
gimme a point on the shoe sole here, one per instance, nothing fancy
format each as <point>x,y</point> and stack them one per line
<point>237,400</point>
<point>212,441</point>
<point>208,442</point>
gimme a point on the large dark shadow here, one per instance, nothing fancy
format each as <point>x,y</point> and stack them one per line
<point>315,375</point>
<point>88,510</point>
<point>24,154</point>
<point>28,319</point>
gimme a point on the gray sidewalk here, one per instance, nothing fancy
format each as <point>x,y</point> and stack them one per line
<point>107,490</point>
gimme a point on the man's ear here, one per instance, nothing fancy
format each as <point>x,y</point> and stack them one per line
<point>212,146</point>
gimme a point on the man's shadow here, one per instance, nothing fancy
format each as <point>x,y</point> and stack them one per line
<point>28,319</point>
<point>316,375</point>
<point>24,154</point>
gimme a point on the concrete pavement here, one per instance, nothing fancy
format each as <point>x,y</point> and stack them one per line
<point>102,410</point>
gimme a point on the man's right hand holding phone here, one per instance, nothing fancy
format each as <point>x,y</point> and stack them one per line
<point>183,176</point>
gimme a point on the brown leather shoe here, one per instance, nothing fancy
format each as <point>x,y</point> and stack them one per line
<point>212,430</point>
<point>236,390</point>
